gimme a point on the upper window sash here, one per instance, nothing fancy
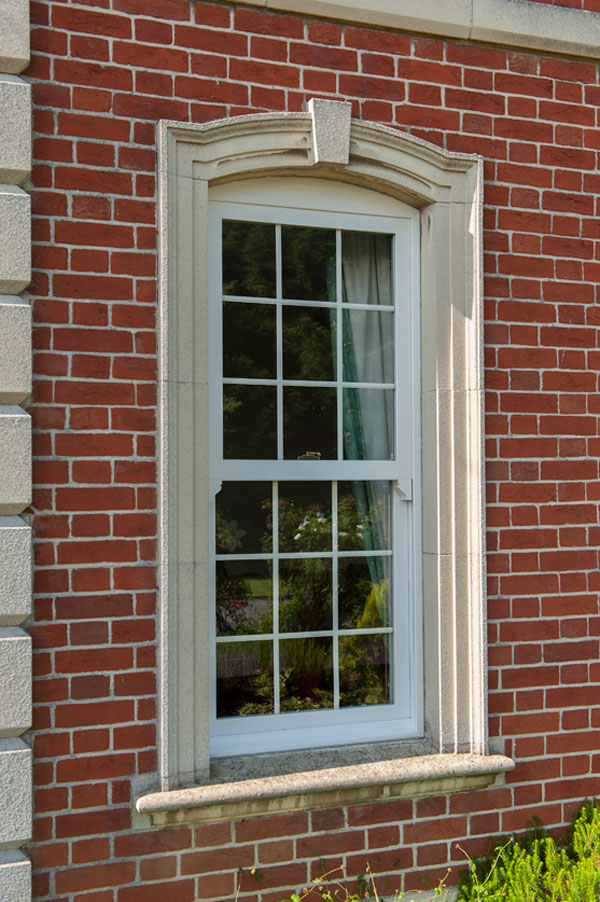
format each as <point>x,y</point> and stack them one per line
<point>404,230</point>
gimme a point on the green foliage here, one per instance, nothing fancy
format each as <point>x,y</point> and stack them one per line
<point>531,868</point>
<point>329,889</point>
<point>535,868</point>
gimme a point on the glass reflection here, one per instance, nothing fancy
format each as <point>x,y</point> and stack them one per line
<point>365,673</point>
<point>364,516</point>
<point>309,423</point>
<point>249,259</point>
<point>249,349</point>
<point>305,595</point>
<point>309,343</point>
<point>308,263</point>
<point>306,680</point>
<point>244,598</point>
<point>244,678</point>
<point>244,518</point>
<point>249,421</point>
<point>304,516</point>
<point>364,592</point>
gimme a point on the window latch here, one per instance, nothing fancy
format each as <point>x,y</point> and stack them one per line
<point>404,488</point>
<point>215,486</point>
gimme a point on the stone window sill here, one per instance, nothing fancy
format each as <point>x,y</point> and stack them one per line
<point>266,784</point>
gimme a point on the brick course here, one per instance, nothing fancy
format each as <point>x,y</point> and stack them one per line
<point>104,72</point>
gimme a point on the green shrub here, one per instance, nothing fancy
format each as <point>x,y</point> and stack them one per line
<point>532,868</point>
<point>537,869</point>
<point>326,889</point>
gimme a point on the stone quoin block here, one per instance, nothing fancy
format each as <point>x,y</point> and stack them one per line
<point>15,571</point>
<point>15,349</point>
<point>15,454</point>
<point>15,248</point>
<point>15,792</point>
<point>15,876</point>
<point>15,115</point>
<point>14,35</point>
<point>15,681</point>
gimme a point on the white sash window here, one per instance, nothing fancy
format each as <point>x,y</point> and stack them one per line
<point>316,617</point>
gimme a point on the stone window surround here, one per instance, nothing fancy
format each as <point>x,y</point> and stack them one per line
<point>447,189</point>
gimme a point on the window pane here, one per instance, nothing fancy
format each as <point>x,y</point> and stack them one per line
<point>367,268</point>
<point>244,678</point>
<point>244,598</point>
<point>368,424</point>
<point>309,338</point>
<point>285,327</point>
<point>308,263</point>
<point>309,423</point>
<point>305,595</point>
<point>249,349</point>
<point>365,670</point>
<point>306,680</point>
<point>249,421</point>
<point>368,343</point>
<point>364,592</point>
<point>304,516</point>
<point>364,516</point>
<point>249,259</point>
<point>244,518</point>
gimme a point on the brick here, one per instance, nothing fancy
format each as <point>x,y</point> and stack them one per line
<point>87,850</point>
<point>327,819</point>
<point>153,842</point>
<point>212,885</point>
<point>158,868</point>
<point>90,21</point>
<point>268,23</point>
<point>282,850</point>
<point>381,862</point>
<point>381,41</point>
<point>90,686</point>
<point>292,875</point>
<point>324,33</point>
<point>238,856</point>
<point>324,57</point>
<point>275,826</point>
<point>380,837</point>
<point>377,813</point>
<point>185,890</point>
<point>149,107</point>
<point>160,58</point>
<point>94,233</point>
<point>161,9</point>
<point>429,831</point>
<point>87,47</point>
<point>371,87</point>
<point>92,822</point>
<point>82,660</point>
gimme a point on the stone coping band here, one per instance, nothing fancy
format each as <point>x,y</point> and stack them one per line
<point>512,23</point>
<point>372,781</point>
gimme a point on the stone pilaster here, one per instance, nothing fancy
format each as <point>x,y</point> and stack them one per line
<point>15,452</point>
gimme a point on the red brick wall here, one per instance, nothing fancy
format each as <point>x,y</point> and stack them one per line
<point>103,73</point>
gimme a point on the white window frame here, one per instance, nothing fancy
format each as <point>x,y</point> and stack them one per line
<point>446,189</point>
<point>327,204</point>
